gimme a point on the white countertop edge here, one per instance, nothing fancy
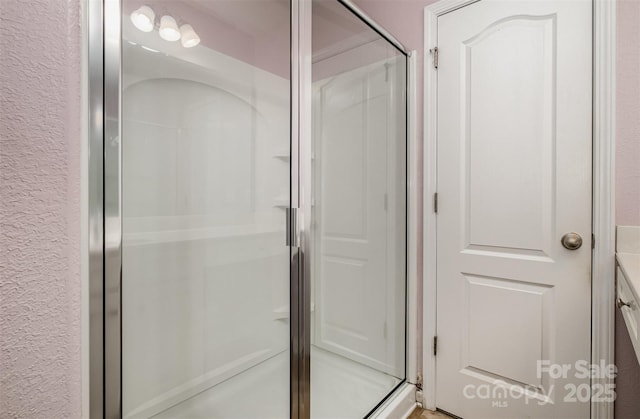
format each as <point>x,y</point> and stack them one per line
<point>629,264</point>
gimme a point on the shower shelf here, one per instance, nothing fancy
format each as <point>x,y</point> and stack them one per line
<point>282,155</point>
<point>281,203</point>
<point>282,313</point>
<point>188,235</point>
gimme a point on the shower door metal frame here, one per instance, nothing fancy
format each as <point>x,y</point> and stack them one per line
<point>300,286</point>
<point>104,21</point>
<point>105,221</point>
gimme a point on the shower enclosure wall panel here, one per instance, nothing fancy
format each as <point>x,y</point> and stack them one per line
<point>205,159</point>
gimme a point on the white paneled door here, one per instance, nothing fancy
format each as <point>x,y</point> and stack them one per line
<point>514,179</point>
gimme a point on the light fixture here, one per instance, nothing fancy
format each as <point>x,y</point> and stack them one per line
<point>189,37</point>
<point>169,29</point>
<point>143,18</point>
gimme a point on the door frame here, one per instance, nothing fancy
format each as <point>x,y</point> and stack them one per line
<point>603,206</point>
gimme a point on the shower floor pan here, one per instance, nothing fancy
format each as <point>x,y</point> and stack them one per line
<point>340,388</point>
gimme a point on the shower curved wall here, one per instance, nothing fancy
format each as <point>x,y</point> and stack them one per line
<point>200,295</point>
<point>202,240</point>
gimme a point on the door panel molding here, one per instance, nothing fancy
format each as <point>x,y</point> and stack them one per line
<point>603,221</point>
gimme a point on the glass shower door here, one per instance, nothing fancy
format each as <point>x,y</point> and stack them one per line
<point>206,180</point>
<point>359,205</point>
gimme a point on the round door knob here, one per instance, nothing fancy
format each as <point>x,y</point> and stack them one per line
<point>572,241</point>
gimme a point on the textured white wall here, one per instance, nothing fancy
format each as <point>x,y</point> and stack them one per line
<point>40,138</point>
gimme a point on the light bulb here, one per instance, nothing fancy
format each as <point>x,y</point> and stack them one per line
<point>169,29</point>
<point>189,37</point>
<point>143,18</point>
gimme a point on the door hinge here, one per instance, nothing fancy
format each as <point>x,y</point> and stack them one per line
<point>593,241</point>
<point>435,345</point>
<point>435,53</point>
<point>435,202</point>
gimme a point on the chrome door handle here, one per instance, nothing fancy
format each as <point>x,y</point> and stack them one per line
<point>621,304</point>
<point>572,241</point>
<point>292,227</point>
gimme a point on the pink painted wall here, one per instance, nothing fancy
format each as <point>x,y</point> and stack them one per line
<point>40,209</point>
<point>628,113</point>
<point>627,404</point>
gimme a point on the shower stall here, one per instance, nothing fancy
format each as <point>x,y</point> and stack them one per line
<point>248,198</point>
